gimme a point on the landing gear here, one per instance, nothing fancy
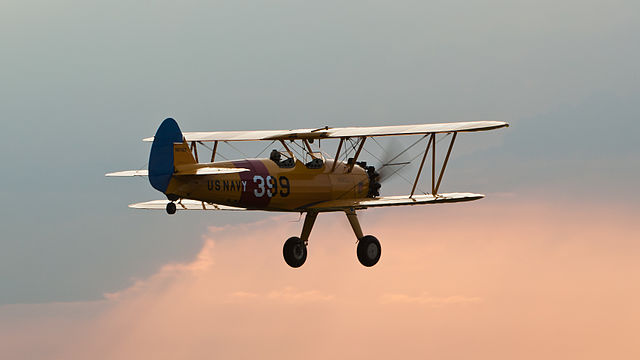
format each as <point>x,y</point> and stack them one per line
<point>171,208</point>
<point>295,248</point>
<point>369,251</point>
<point>295,252</point>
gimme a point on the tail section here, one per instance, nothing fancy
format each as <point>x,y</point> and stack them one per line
<point>167,151</point>
<point>182,155</point>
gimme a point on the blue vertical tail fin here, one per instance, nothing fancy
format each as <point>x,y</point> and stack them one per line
<point>161,158</point>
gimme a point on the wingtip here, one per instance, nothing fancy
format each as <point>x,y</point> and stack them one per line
<point>138,205</point>
<point>128,173</point>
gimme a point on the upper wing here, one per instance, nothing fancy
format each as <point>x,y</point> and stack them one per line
<point>327,132</point>
<point>183,205</point>
<point>337,205</point>
<point>416,129</point>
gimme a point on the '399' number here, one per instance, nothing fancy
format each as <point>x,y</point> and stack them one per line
<point>269,186</point>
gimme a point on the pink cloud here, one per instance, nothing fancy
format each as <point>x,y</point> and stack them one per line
<point>426,299</point>
<point>496,280</point>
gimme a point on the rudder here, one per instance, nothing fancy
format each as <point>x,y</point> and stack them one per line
<point>168,149</point>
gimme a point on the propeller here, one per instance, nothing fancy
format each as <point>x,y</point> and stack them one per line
<point>394,160</point>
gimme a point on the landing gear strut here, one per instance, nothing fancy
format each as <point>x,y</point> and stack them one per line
<point>295,248</point>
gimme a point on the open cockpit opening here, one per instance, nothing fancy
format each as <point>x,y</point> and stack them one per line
<point>277,157</point>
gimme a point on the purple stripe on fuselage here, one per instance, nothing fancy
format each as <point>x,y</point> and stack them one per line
<point>248,198</point>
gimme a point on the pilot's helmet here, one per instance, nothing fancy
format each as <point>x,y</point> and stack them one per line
<point>275,155</point>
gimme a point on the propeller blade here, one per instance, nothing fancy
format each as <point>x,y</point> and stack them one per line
<point>394,160</point>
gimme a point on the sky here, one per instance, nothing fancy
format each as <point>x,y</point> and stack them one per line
<point>544,266</point>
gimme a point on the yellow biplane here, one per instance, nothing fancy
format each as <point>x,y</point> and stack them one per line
<point>283,182</point>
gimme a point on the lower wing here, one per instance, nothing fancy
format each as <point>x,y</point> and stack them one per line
<point>183,205</point>
<point>325,206</point>
<point>338,205</point>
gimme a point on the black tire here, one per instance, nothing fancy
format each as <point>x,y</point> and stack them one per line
<point>295,252</point>
<point>171,208</point>
<point>369,250</point>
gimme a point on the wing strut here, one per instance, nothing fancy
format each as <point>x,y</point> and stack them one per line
<point>355,157</point>
<point>335,159</point>
<point>432,144</point>
<point>424,157</point>
<point>213,152</point>
<point>433,164</point>
<point>287,148</point>
<point>444,165</point>
<point>306,143</point>
<point>195,150</point>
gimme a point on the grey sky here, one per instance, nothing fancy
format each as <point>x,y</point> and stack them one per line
<point>82,83</point>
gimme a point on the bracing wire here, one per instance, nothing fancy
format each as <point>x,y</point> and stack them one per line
<point>401,167</point>
<point>265,148</point>
<point>211,149</point>
<point>236,149</point>
<point>294,149</point>
<point>353,144</point>
<point>409,162</point>
<point>407,149</point>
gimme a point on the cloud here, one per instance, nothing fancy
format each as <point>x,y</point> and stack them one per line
<point>426,299</point>
<point>290,295</point>
<point>287,295</point>
<point>500,280</point>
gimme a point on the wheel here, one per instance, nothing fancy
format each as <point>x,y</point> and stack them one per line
<point>369,250</point>
<point>171,208</point>
<point>295,252</point>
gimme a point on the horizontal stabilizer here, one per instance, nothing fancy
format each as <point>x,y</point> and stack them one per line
<point>209,170</point>
<point>183,205</point>
<point>129,173</point>
<point>335,205</point>
<point>191,170</point>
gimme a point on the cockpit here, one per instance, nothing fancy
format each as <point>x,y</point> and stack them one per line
<point>286,160</point>
<point>277,157</point>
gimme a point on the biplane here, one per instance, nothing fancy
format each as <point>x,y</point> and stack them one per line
<point>308,184</point>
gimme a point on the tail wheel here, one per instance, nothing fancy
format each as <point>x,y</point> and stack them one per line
<point>171,208</point>
<point>369,250</point>
<point>295,252</point>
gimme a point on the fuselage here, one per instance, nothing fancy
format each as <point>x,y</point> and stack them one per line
<point>268,186</point>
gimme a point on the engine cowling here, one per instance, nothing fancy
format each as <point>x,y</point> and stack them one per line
<point>374,179</point>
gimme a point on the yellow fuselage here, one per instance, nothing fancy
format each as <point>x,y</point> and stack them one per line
<point>267,186</point>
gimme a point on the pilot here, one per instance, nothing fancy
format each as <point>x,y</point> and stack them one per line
<point>275,156</point>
